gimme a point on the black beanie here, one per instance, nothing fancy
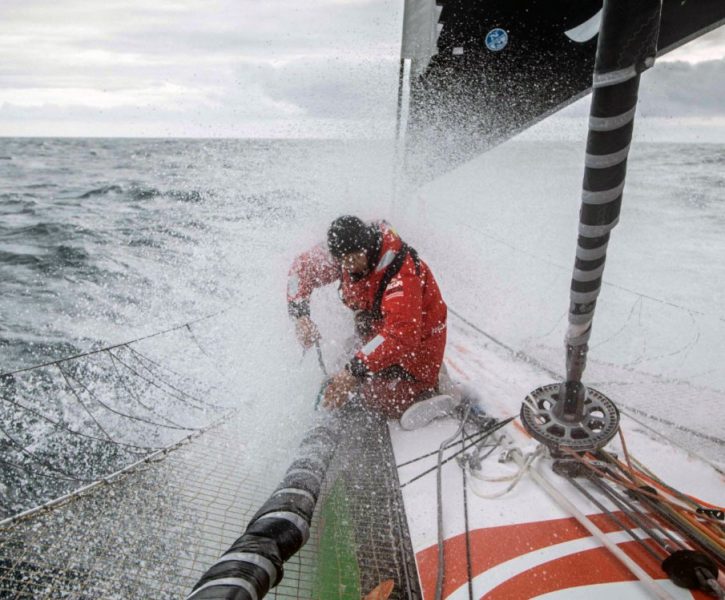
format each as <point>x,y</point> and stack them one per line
<point>349,234</point>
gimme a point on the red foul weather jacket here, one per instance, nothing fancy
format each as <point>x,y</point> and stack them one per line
<point>401,298</point>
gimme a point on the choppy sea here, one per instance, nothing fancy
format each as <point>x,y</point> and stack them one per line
<point>103,241</point>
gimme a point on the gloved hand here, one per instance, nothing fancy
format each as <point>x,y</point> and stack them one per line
<point>307,332</point>
<point>338,390</point>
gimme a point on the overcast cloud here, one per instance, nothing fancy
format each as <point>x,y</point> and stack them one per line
<point>242,68</point>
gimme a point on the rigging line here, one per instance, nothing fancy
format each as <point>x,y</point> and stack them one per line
<point>163,452</point>
<point>484,434</point>
<point>642,542</point>
<point>133,394</point>
<point>138,354</point>
<point>552,330</point>
<point>41,461</point>
<point>78,398</point>
<point>524,467</point>
<point>196,341</point>
<point>60,425</point>
<point>439,499</point>
<point>161,365</point>
<point>691,311</point>
<point>637,303</point>
<point>704,436</point>
<point>691,531</point>
<point>685,348</point>
<point>643,520</point>
<point>156,385</point>
<point>531,360</point>
<point>604,283</point>
<point>166,383</point>
<point>469,569</point>
<point>31,470</point>
<point>114,346</point>
<point>467,438</point>
<point>597,533</point>
<point>644,473</point>
<point>201,348</point>
<point>633,482</point>
<point>517,354</point>
<point>122,414</point>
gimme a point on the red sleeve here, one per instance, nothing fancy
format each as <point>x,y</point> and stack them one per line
<point>401,333</point>
<point>309,271</point>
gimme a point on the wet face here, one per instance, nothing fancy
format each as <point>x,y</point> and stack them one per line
<point>355,263</point>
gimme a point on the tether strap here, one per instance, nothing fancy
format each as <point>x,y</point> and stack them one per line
<point>392,270</point>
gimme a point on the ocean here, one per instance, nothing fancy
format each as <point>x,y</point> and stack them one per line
<point>104,241</point>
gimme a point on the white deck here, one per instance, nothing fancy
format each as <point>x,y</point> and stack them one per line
<point>523,545</point>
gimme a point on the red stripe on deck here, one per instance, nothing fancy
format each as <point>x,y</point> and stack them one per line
<point>587,567</point>
<point>455,367</point>
<point>494,545</point>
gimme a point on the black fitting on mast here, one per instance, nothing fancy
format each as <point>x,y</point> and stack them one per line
<point>627,46</point>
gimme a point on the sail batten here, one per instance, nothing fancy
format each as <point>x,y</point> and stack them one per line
<point>421,29</point>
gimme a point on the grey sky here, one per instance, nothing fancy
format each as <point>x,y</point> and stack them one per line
<point>235,68</point>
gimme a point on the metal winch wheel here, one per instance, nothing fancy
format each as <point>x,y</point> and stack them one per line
<point>597,425</point>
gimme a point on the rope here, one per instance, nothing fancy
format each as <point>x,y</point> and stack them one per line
<point>134,396</point>
<point>639,295</point>
<point>527,358</point>
<point>78,398</point>
<point>677,508</point>
<point>483,435</point>
<point>463,440</point>
<point>157,386</point>
<point>439,500</point>
<point>33,471</point>
<point>671,440</point>
<point>113,346</point>
<point>524,468</point>
<point>587,523</point>
<point>151,458</point>
<point>59,425</point>
<point>137,355</point>
<point>469,567</point>
<point>647,547</point>
<point>201,348</point>
<point>129,384</point>
<point>320,359</point>
<point>120,413</point>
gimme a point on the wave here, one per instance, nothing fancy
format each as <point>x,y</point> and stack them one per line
<point>48,232</point>
<point>145,242</point>
<point>12,200</point>
<point>40,230</point>
<point>71,256</point>
<point>274,204</point>
<point>192,196</point>
<point>41,186</point>
<point>102,191</point>
<point>19,258</point>
<point>139,193</point>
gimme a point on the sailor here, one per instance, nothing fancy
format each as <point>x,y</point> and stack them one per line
<point>400,315</point>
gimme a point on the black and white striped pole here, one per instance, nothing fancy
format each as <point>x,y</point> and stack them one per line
<point>279,529</point>
<point>570,414</point>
